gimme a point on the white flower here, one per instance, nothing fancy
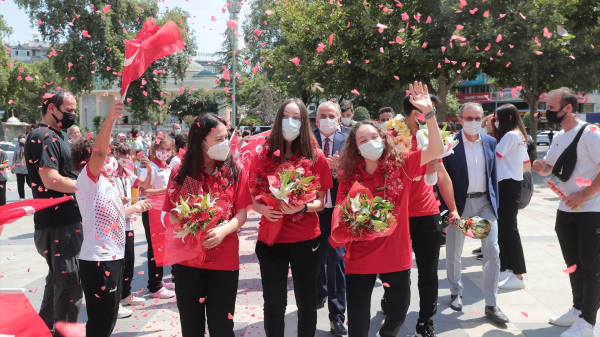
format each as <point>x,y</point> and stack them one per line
<point>355,203</point>
<point>182,233</point>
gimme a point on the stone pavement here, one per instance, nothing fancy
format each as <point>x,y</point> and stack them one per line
<point>547,293</point>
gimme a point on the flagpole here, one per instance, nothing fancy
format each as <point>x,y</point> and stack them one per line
<point>234,8</point>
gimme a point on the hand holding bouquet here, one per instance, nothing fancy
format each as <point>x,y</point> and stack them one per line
<point>447,137</point>
<point>291,185</point>
<point>362,217</point>
<point>195,215</point>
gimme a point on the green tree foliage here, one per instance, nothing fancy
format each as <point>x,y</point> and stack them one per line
<point>97,122</point>
<point>99,58</point>
<point>5,59</point>
<point>194,103</point>
<point>361,114</point>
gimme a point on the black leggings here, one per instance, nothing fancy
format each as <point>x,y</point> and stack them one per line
<point>217,289</point>
<point>509,240</point>
<point>21,180</point>
<point>3,192</point>
<point>129,264</point>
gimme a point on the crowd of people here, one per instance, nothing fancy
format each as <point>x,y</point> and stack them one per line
<point>88,241</point>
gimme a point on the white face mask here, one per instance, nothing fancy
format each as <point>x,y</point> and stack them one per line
<point>290,128</point>
<point>328,125</point>
<point>497,124</point>
<point>22,140</point>
<point>163,155</point>
<point>110,166</point>
<point>472,128</point>
<point>219,151</point>
<point>125,162</point>
<point>346,121</point>
<point>177,131</point>
<point>372,150</point>
<point>383,126</point>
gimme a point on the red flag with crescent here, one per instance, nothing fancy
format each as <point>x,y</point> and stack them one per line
<point>17,210</point>
<point>150,44</point>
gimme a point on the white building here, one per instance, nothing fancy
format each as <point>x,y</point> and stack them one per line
<point>30,52</point>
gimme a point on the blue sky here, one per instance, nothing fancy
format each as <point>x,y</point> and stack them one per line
<point>208,40</point>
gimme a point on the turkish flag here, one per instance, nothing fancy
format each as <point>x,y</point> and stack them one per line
<point>157,227</point>
<point>17,210</point>
<point>150,44</point>
<point>249,148</point>
<point>18,317</point>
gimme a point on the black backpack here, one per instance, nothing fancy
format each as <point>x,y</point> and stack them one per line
<point>527,192</point>
<point>565,165</point>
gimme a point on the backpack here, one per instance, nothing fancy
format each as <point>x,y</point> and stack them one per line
<point>527,192</point>
<point>565,165</point>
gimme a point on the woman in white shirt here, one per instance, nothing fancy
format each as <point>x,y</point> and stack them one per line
<point>513,161</point>
<point>103,248</point>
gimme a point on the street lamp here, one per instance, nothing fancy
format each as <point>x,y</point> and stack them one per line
<point>234,7</point>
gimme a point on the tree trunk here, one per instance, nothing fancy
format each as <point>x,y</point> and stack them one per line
<point>532,96</point>
<point>441,107</point>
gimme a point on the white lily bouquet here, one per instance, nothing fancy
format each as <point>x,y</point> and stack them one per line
<point>447,137</point>
<point>196,214</point>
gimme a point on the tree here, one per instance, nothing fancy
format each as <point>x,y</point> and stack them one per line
<point>361,114</point>
<point>97,122</point>
<point>5,60</point>
<point>533,58</point>
<point>194,103</point>
<point>99,57</point>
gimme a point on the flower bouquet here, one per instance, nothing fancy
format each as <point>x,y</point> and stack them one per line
<point>291,185</point>
<point>475,227</point>
<point>362,217</point>
<point>400,133</point>
<point>196,214</point>
<point>447,137</point>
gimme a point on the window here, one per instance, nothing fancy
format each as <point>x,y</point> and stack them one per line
<point>16,53</point>
<point>28,53</point>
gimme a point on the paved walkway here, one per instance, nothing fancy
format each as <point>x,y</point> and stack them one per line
<point>547,294</point>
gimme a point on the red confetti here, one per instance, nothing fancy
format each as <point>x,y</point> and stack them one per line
<point>571,269</point>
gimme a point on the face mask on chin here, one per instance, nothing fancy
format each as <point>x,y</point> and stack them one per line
<point>472,128</point>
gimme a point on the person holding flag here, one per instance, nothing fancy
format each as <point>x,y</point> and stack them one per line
<point>207,289</point>
<point>58,231</point>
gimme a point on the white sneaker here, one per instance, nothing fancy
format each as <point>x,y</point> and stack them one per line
<point>163,293</point>
<point>124,312</point>
<point>567,319</point>
<point>512,282</point>
<point>132,300</point>
<point>168,285</point>
<point>581,328</point>
<point>504,275</point>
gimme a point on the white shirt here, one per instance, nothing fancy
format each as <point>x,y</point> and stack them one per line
<point>475,164</point>
<point>103,218</point>
<point>174,161</point>
<point>328,203</point>
<point>587,167</point>
<point>160,175</point>
<point>124,184</point>
<point>511,154</point>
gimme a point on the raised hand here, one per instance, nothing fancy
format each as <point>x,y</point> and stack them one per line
<point>419,97</point>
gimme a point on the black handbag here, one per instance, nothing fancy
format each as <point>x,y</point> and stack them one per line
<point>565,165</point>
<point>527,192</point>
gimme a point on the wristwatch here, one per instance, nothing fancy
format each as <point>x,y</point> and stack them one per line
<point>304,209</point>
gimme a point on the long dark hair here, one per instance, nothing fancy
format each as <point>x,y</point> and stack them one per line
<point>193,162</point>
<point>304,143</point>
<point>507,124</point>
<point>350,156</point>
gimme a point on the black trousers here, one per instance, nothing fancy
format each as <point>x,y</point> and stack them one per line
<point>359,288</point>
<point>426,236</point>
<point>63,293</point>
<point>509,240</point>
<point>21,179</point>
<point>332,277</point>
<point>155,274</point>
<point>102,285</point>
<point>218,288</point>
<point>579,238</point>
<point>129,264</point>
<point>303,258</point>
<point>3,192</point>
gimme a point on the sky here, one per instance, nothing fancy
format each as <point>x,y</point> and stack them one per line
<point>209,34</point>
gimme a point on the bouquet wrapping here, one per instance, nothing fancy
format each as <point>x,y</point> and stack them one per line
<point>447,137</point>
<point>289,185</point>
<point>362,217</point>
<point>475,227</point>
<point>196,214</point>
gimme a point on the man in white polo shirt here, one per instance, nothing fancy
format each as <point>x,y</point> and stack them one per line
<point>578,216</point>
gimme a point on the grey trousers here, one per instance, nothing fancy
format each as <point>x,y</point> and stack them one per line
<point>63,292</point>
<point>489,247</point>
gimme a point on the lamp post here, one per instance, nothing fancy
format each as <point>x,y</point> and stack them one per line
<point>234,8</point>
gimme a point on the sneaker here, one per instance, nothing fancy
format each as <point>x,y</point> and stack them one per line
<point>132,300</point>
<point>567,319</point>
<point>480,257</point>
<point>512,282</point>
<point>169,285</point>
<point>476,251</point>
<point>163,293</point>
<point>504,275</point>
<point>124,312</point>
<point>425,329</point>
<point>581,328</point>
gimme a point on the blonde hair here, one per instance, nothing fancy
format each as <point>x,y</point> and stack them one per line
<point>160,141</point>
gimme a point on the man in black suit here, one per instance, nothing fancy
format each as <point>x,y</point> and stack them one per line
<point>332,280</point>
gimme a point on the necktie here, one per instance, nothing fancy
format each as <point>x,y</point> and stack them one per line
<point>326,147</point>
